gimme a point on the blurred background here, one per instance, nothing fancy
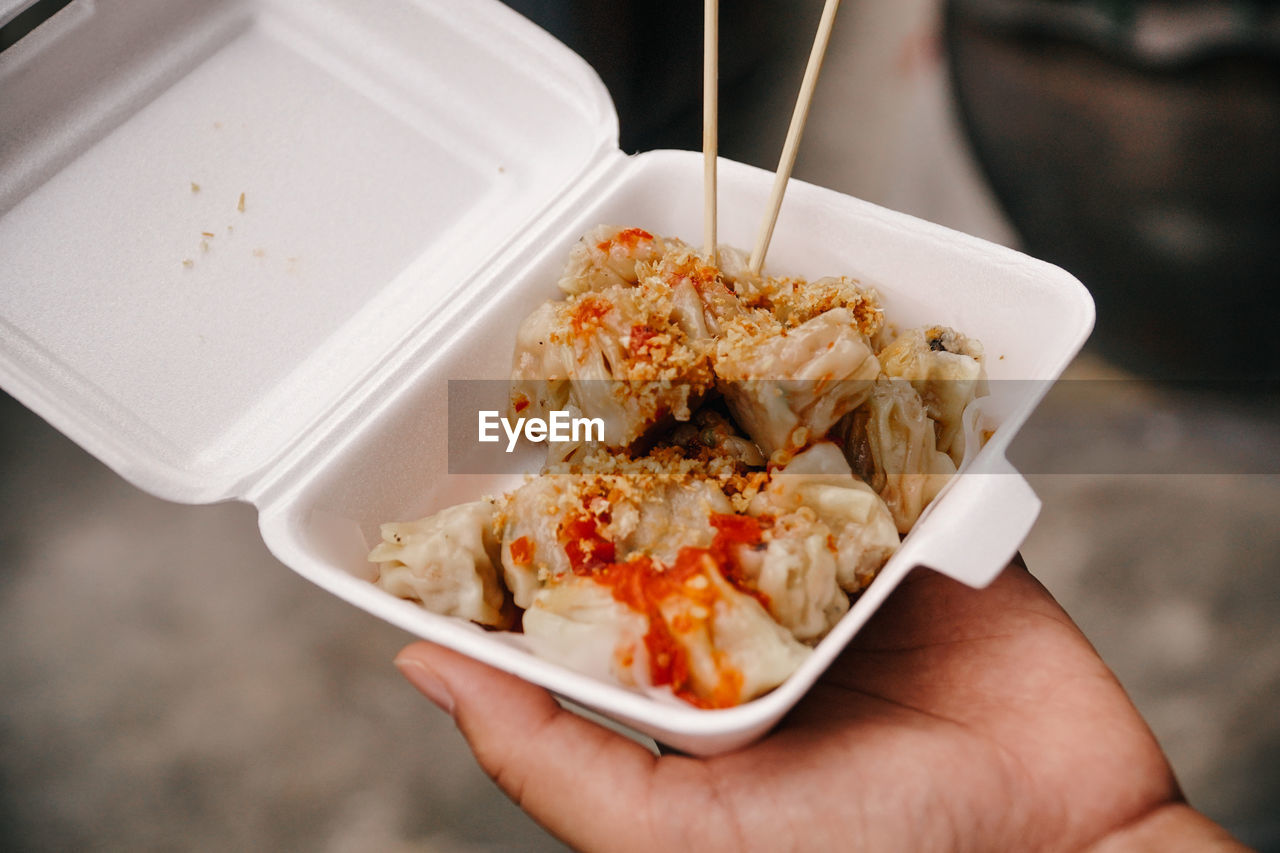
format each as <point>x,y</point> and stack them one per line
<point>168,685</point>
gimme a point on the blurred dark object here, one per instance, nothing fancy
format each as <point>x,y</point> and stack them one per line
<point>1137,144</point>
<point>649,55</point>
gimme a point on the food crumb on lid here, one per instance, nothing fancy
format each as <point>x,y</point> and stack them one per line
<point>195,188</point>
<point>188,263</point>
<point>206,233</point>
<point>240,204</point>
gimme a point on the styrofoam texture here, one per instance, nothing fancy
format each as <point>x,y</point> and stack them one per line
<point>387,153</point>
<point>392,464</point>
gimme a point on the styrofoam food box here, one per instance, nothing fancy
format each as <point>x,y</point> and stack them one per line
<point>413,176</point>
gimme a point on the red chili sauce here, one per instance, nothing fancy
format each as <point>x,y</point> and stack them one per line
<point>628,239</point>
<point>643,584</point>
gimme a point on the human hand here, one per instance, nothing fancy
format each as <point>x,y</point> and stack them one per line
<point>956,719</point>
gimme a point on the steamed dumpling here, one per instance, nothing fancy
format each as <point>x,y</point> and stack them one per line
<point>603,509</point>
<point>796,573</point>
<point>862,524</point>
<point>532,550</point>
<point>829,535</point>
<point>619,354</point>
<point>787,388</point>
<point>945,368</point>
<point>446,561</point>
<point>682,627</point>
<point>890,441</point>
<point>578,623</point>
<point>608,255</point>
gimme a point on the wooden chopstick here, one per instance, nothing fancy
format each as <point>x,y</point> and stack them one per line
<point>710,123</point>
<point>794,132</point>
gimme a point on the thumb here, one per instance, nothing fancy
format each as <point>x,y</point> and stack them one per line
<point>584,783</point>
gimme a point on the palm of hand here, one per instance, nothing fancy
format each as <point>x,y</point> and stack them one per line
<point>957,718</point>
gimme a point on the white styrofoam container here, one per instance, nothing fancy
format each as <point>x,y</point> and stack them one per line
<point>414,174</point>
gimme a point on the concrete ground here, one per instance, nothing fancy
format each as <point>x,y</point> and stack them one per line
<point>168,685</point>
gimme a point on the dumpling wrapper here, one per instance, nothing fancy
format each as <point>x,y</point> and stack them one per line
<point>832,533</point>
<point>891,442</point>
<point>620,354</point>
<point>786,390</point>
<point>945,369</point>
<point>650,515</point>
<point>608,255</point>
<point>447,562</point>
<point>862,523</point>
<point>579,624</point>
<point>714,646</point>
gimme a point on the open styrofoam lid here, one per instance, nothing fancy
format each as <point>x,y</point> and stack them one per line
<point>217,218</point>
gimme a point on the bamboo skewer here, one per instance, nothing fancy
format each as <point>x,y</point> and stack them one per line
<point>710,123</point>
<point>792,145</point>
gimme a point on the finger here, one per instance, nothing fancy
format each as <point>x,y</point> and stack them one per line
<point>582,782</point>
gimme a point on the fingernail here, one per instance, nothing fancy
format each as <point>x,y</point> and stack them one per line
<point>426,680</point>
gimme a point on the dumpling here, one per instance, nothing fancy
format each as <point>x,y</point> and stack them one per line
<point>667,516</point>
<point>448,562</point>
<point>619,354</point>
<point>735,651</point>
<point>891,443</point>
<point>863,527</point>
<point>606,508</point>
<point>945,368</point>
<point>532,550</point>
<point>683,627</point>
<point>828,534</point>
<point>795,572</point>
<point>541,367</point>
<point>787,388</point>
<point>579,623</point>
<point>703,300</point>
<point>607,255</point>
<point>795,301</point>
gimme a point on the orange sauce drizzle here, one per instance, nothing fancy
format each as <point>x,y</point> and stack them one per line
<point>628,239</point>
<point>522,551</point>
<point>643,584</point>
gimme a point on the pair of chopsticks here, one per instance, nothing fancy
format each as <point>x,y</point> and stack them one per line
<point>710,128</point>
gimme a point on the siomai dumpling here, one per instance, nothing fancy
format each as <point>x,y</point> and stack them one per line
<point>579,623</point>
<point>945,368</point>
<point>891,442</point>
<point>448,562</point>
<point>605,508</point>
<point>618,354</point>
<point>684,627</point>
<point>788,387</point>
<point>607,255</point>
<point>820,482</point>
<point>826,534</point>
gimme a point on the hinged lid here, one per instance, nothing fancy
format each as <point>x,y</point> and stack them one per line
<point>218,218</point>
